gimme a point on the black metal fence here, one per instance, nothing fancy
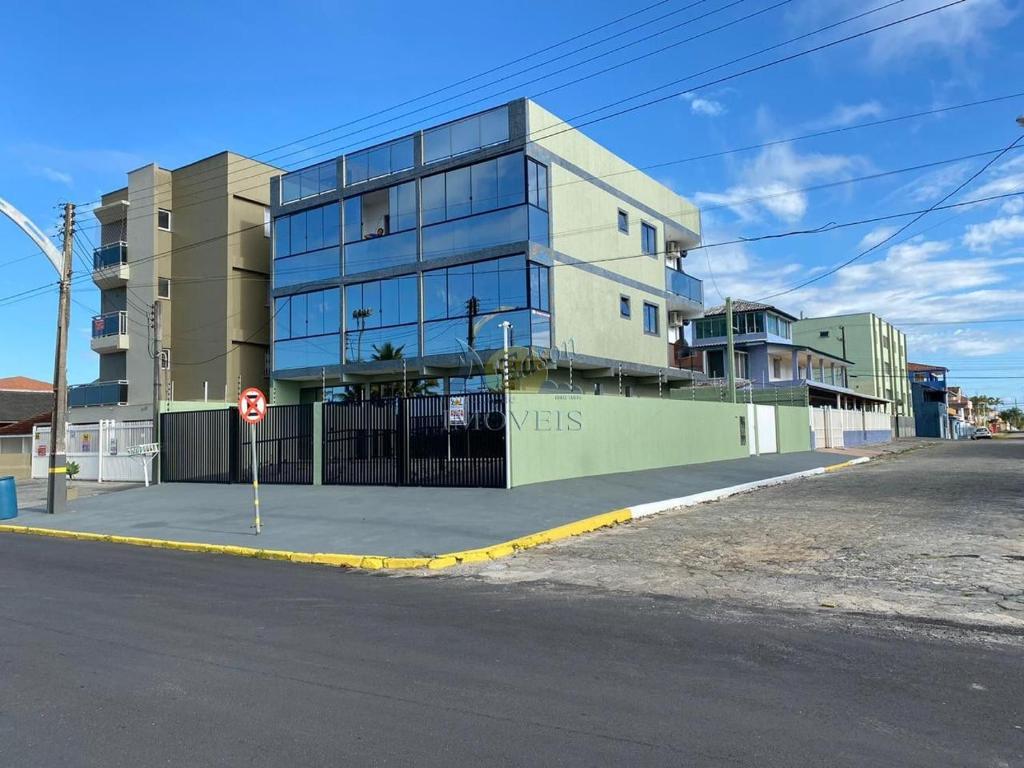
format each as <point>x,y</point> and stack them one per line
<point>434,440</point>
<point>215,446</point>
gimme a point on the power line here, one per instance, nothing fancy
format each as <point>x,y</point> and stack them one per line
<point>692,76</point>
<point>936,206</point>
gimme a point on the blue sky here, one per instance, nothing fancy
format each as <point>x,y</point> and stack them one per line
<point>175,82</point>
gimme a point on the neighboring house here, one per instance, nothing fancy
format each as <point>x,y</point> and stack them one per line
<point>877,352</point>
<point>929,395</point>
<point>16,444</point>
<point>766,355</point>
<point>197,240</point>
<point>400,278</point>
<point>961,412</point>
<point>22,397</point>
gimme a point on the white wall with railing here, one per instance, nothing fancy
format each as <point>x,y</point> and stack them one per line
<point>100,450</point>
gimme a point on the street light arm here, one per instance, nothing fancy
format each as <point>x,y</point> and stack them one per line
<point>30,229</point>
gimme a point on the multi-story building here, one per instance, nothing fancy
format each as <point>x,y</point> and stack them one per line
<point>766,355</point>
<point>197,240</point>
<point>402,277</point>
<point>929,394</point>
<point>877,352</point>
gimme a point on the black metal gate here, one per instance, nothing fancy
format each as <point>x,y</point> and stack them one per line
<point>433,440</point>
<point>199,446</point>
<point>215,446</point>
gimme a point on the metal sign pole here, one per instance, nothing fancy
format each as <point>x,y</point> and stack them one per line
<point>255,479</point>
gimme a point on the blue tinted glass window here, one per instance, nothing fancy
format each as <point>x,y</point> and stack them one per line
<point>402,155</point>
<point>402,202</point>
<point>435,294</point>
<point>282,242</point>
<point>310,181</point>
<point>298,311</point>
<point>539,226</point>
<point>353,220</point>
<point>290,188</point>
<point>437,144</point>
<point>458,193</point>
<point>494,126</point>
<point>357,168</point>
<point>306,267</point>
<point>486,286</point>
<point>537,180</point>
<point>331,224</point>
<point>650,318</point>
<point>433,199</point>
<point>511,185</point>
<point>381,252</point>
<point>512,277</point>
<point>539,290</point>
<point>314,229</point>
<point>484,178</point>
<point>506,225</point>
<point>282,318</point>
<point>460,289</point>
<point>298,230</point>
<point>329,176</point>
<point>465,136</point>
<point>314,352</point>
<point>380,162</point>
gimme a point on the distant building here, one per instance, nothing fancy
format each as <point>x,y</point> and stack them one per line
<point>929,396</point>
<point>766,355</point>
<point>877,352</point>
<point>22,398</point>
<point>196,239</point>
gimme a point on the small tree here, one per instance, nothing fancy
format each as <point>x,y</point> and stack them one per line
<point>72,469</point>
<point>1014,417</point>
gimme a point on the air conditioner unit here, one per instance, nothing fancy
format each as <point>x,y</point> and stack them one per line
<point>672,246</point>
<point>676,319</point>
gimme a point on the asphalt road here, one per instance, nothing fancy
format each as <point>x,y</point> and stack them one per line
<point>117,656</point>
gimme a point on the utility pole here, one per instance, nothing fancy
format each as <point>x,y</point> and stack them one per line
<point>730,353</point>
<point>158,351</point>
<point>57,477</point>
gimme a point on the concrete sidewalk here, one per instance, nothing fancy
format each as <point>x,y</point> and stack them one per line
<point>396,522</point>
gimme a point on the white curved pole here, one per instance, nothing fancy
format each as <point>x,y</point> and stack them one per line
<point>56,257</point>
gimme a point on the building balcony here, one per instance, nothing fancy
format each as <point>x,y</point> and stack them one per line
<point>110,265</point>
<point>98,393</point>
<point>110,332</point>
<point>686,293</point>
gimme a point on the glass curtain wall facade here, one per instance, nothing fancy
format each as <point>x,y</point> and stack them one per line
<point>422,311</point>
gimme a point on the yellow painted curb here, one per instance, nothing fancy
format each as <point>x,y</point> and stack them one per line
<point>844,465</point>
<point>338,560</point>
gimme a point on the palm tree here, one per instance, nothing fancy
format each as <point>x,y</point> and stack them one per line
<point>360,315</point>
<point>388,351</point>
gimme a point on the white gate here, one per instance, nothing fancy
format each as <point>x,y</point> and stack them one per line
<point>762,431</point>
<point>828,428</point>
<point>100,450</point>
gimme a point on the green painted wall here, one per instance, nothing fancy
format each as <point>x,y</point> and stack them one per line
<point>793,428</point>
<point>284,392</point>
<point>174,406</point>
<point>553,437</point>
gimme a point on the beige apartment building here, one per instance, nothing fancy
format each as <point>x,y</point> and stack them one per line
<point>196,240</point>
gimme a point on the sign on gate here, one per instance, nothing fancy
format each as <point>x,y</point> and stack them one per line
<point>457,410</point>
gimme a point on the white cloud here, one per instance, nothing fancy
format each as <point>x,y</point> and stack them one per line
<point>702,106</point>
<point>848,114</point>
<point>981,237</point>
<point>962,342</point>
<point>959,32</point>
<point>1013,206</point>
<point>772,177</point>
<point>874,237</point>
<point>58,176</point>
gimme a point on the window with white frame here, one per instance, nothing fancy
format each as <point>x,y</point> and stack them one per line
<point>163,288</point>
<point>163,219</point>
<point>165,359</point>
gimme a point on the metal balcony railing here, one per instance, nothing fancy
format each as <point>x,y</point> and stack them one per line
<point>110,324</point>
<point>111,255</point>
<point>682,284</point>
<point>98,393</point>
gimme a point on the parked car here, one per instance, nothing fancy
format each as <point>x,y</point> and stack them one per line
<point>981,433</point>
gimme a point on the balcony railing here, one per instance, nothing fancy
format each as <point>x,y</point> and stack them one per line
<point>110,324</point>
<point>112,255</point>
<point>98,393</point>
<point>684,286</point>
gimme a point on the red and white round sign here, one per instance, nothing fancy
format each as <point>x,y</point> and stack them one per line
<point>252,405</point>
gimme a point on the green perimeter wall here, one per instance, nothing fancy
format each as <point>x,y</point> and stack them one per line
<point>553,437</point>
<point>793,428</point>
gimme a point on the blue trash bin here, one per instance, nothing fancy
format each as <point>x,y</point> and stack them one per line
<point>8,499</point>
